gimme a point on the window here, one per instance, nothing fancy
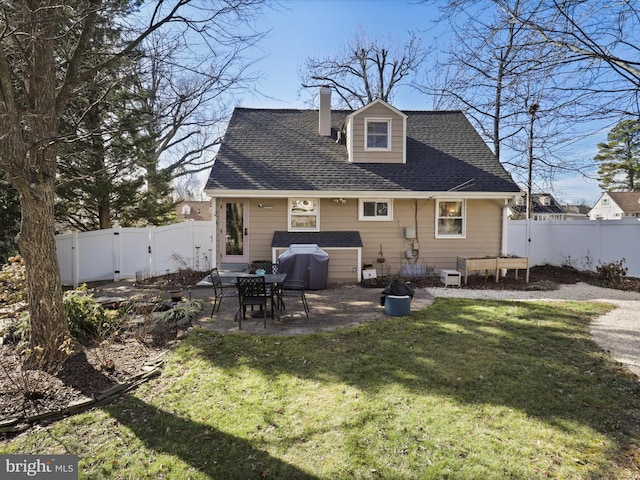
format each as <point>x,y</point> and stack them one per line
<point>375,210</point>
<point>378,134</point>
<point>186,210</point>
<point>450,218</point>
<point>304,215</point>
<point>605,201</point>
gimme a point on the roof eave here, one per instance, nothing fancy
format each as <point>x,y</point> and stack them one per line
<point>224,193</point>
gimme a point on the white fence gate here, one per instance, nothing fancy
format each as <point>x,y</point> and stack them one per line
<point>584,244</point>
<point>118,253</point>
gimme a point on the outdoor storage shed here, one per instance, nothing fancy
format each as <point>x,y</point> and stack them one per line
<point>298,258</point>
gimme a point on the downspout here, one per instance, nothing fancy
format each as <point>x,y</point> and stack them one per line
<point>505,218</point>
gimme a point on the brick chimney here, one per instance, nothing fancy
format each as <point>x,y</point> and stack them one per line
<point>324,120</point>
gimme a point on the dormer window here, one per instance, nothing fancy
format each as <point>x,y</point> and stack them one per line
<point>377,133</point>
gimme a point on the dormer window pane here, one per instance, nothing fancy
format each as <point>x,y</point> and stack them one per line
<point>378,134</point>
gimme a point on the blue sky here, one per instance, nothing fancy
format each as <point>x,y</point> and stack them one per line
<point>305,28</point>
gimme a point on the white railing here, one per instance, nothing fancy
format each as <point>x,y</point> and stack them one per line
<point>119,253</point>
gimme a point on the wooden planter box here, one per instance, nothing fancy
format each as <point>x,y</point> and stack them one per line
<point>514,263</point>
<point>492,265</point>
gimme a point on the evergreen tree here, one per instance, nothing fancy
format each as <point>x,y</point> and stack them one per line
<point>107,175</point>
<point>619,158</point>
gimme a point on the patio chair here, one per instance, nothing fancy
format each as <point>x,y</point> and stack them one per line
<point>271,268</point>
<point>220,290</point>
<point>252,291</point>
<point>295,289</point>
<point>268,267</point>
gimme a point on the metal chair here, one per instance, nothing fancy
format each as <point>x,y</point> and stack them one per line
<point>271,268</point>
<point>295,289</point>
<point>253,291</point>
<point>220,290</point>
<point>268,267</point>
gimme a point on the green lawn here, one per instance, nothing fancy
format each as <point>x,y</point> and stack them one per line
<point>464,389</point>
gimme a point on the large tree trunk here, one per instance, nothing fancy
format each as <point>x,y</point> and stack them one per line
<point>36,182</point>
<point>49,339</point>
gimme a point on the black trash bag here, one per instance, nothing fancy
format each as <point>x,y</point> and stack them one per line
<point>396,288</point>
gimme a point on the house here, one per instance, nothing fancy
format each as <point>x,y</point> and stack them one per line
<point>194,210</point>
<point>577,212</point>
<point>616,205</point>
<point>418,188</point>
<point>543,207</point>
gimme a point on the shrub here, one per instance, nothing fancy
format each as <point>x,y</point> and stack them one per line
<point>88,320</point>
<point>13,281</point>
<point>611,274</point>
<point>184,310</point>
<point>18,332</point>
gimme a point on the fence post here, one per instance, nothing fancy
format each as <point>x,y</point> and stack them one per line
<point>117,254</point>
<point>75,270</point>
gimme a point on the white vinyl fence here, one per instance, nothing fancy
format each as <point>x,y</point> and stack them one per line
<point>128,252</point>
<point>584,244</point>
<point>119,253</point>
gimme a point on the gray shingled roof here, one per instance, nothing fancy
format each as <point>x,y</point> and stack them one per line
<point>537,206</point>
<point>271,150</point>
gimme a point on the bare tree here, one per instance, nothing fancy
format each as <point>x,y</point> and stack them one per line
<point>46,57</point>
<point>366,69</point>
<point>495,71</point>
<point>600,39</point>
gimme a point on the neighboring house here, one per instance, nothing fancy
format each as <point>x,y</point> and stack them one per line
<point>543,207</point>
<point>420,186</point>
<point>194,210</point>
<point>616,205</point>
<point>577,212</point>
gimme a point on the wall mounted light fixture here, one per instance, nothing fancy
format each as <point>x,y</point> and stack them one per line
<point>340,200</point>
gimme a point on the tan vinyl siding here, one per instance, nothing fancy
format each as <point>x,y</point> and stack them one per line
<point>265,221</point>
<point>483,234</point>
<point>358,138</point>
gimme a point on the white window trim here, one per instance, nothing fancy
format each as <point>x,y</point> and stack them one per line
<point>464,218</point>
<point>366,134</point>
<point>386,218</point>
<point>290,215</point>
